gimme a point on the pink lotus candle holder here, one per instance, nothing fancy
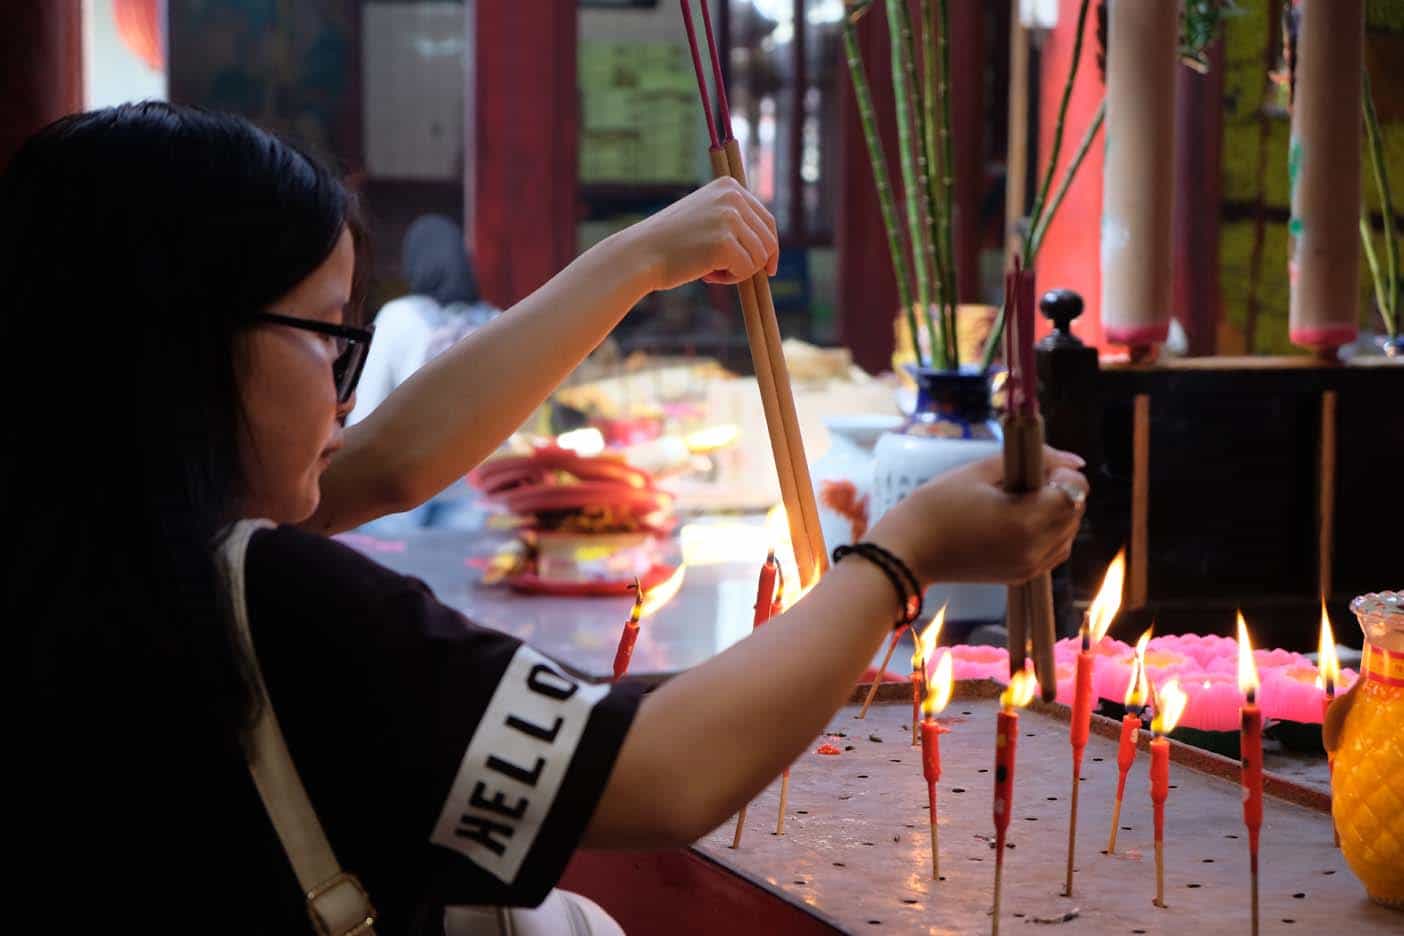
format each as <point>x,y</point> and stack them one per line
<point>1290,693</point>
<point>980,662</point>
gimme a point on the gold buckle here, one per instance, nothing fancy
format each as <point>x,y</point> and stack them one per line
<point>323,928</point>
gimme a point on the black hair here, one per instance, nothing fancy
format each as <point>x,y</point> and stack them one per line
<point>136,242</point>
<point>434,260</point>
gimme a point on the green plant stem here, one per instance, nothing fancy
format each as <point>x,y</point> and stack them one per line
<point>1036,213</point>
<point>912,162</point>
<point>1036,236</point>
<point>1390,311</point>
<point>948,201</point>
<point>930,125</point>
<point>882,180</point>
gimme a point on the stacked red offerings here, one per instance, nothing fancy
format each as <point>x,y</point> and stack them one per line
<point>591,525</point>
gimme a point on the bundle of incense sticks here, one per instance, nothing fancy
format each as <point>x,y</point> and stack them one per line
<point>763,335</point>
<point>1030,605</point>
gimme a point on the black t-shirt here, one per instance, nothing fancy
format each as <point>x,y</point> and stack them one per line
<point>448,763</point>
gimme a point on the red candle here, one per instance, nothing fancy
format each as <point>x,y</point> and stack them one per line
<point>1018,694</point>
<point>938,693</point>
<point>1094,627</point>
<point>629,635</point>
<point>1250,743</point>
<point>1137,696</point>
<point>768,588</point>
<point>1170,705</point>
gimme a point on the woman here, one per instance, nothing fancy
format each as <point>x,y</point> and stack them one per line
<point>443,307</point>
<point>196,273</point>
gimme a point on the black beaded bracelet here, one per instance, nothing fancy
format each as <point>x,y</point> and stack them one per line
<point>903,581</point>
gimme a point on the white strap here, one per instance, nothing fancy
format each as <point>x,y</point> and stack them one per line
<point>336,902</point>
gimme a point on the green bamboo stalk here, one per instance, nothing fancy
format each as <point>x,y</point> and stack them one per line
<point>1036,238</point>
<point>881,180</point>
<point>930,102</point>
<point>909,148</point>
<point>1390,312</point>
<point>948,176</point>
<point>1057,145</point>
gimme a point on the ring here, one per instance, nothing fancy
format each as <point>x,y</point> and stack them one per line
<point>1075,495</point>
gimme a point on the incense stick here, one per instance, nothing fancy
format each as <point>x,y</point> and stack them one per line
<point>881,672</point>
<point>763,336</point>
<point>1072,830</point>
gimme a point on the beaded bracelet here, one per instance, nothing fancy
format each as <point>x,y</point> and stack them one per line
<point>897,572</point>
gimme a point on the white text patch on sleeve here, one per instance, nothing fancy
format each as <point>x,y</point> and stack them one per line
<point>515,763</point>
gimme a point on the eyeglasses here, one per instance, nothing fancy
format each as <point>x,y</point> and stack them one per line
<point>352,345</point>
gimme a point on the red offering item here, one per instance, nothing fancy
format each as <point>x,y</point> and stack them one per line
<point>547,464</point>
<point>828,749</point>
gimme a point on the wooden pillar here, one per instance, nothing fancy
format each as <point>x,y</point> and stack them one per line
<point>1198,144</point>
<point>41,68</point>
<point>521,175</point>
<point>867,289</point>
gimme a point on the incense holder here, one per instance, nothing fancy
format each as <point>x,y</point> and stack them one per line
<point>1362,731</point>
<point>951,425</point>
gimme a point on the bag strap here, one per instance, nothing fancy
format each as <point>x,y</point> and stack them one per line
<point>336,902</point>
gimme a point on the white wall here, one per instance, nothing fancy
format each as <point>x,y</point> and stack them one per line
<point>112,74</point>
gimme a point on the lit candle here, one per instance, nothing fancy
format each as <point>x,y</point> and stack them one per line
<point>1329,670</point>
<point>1251,754</point>
<point>938,693</point>
<point>918,686</point>
<point>645,604</point>
<point>1017,695</point>
<point>766,592</point>
<point>1137,695</point>
<point>1169,705</point>
<point>629,635</point>
<point>1095,624</point>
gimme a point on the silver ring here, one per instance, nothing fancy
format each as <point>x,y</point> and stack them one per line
<point>1076,495</point>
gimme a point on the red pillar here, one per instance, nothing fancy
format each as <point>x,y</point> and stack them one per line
<point>1070,257</point>
<point>521,172</point>
<point>969,68</point>
<point>41,68</point>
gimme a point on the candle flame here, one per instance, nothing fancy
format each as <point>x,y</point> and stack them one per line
<point>925,650</point>
<point>939,687</point>
<point>1138,689</point>
<point>1108,601</point>
<point>1327,665</point>
<point>1020,691</point>
<point>710,439</point>
<point>587,442</point>
<point>1170,705</point>
<point>649,602</point>
<point>1247,669</point>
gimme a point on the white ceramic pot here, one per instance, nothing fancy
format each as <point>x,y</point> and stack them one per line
<point>951,426</point>
<point>849,458</point>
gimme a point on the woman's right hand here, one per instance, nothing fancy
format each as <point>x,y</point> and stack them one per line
<point>720,233</point>
<point>964,527</point>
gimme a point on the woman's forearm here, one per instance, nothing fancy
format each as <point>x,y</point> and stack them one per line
<point>458,408</point>
<point>710,739</point>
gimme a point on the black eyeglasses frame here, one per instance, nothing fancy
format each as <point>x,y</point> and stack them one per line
<point>350,360</point>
